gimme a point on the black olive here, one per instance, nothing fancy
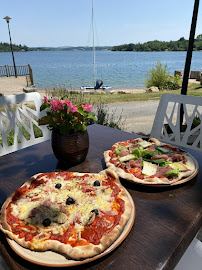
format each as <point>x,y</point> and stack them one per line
<point>96,183</point>
<point>58,186</point>
<point>70,201</point>
<point>46,222</point>
<point>176,160</point>
<point>95,211</point>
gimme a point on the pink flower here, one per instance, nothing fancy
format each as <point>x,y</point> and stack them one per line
<point>60,107</point>
<point>61,104</point>
<point>45,100</point>
<point>87,107</point>
<point>68,102</point>
<point>54,104</point>
<point>72,108</point>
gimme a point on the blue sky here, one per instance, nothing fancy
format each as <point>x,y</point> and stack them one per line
<point>67,22</point>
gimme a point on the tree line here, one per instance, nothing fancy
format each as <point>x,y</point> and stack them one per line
<point>150,46</point>
<point>156,46</point>
<point>5,47</point>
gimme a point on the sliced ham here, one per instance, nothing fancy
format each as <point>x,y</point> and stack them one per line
<point>176,157</point>
<point>131,147</point>
<point>124,153</point>
<point>151,148</point>
<point>48,188</point>
<point>166,157</point>
<point>134,163</point>
<point>110,213</point>
<point>161,171</point>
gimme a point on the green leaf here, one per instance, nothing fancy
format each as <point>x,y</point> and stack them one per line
<point>45,120</point>
<point>140,152</point>
<point>92,116</point>
<point>172,172</point>
<point>136,152</point>
<point>119,148</point>
<point>44,106</point>
<point>161,162</point>
<point>64,129</point>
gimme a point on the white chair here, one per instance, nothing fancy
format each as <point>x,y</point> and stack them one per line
<point>19,115</point>
<point>166,126</point>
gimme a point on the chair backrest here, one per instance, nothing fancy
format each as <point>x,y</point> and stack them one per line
<point>19,116</point>
<point>166,126</point>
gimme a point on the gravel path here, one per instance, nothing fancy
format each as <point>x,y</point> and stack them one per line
<point>138,116</point>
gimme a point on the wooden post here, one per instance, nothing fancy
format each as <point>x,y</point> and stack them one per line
<point>31,75</point>
<point>8,70</point>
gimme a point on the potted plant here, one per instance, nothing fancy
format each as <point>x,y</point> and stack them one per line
<point>68,122</point>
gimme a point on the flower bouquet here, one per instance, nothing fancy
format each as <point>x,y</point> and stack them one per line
<point>68,122</point>
<point>65,117</point>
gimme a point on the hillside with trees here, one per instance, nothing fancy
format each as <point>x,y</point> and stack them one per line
<point>5,47</point>
<point>156,46</point>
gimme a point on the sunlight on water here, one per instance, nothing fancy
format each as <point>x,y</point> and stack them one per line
<point>120,70</point>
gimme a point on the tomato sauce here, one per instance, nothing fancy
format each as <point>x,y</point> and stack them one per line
<point>123,143</point>
<point>36,182</point>
<point>136,172</point>
<point>66,175</point>
<point>19,192</point>
<point>102,224</point>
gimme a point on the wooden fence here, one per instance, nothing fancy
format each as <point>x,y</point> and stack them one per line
<point>9,71</point>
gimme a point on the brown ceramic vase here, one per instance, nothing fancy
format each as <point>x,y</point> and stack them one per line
<point>70,149</point>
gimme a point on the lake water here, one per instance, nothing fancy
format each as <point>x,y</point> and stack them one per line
<point>120,70</point>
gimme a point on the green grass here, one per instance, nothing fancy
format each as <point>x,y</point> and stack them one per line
<point>194,89</point>
<point>10,139</point>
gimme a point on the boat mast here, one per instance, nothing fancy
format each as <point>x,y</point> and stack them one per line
<point>93,43</point>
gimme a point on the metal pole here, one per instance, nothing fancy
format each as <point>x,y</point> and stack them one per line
<point>189,57</point>
<point>12,50</point>
<point>93,44</point>
<point>190,49</point>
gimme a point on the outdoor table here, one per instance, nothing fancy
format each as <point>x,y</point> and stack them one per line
<point>166,221</point>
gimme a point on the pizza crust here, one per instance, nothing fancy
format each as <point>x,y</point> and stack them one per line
<point>78,252</point>
<point>182,177</point>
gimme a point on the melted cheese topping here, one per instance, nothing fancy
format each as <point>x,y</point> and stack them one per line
<point>149,168</point>
<point>50,202</point>
<point>144,144</point>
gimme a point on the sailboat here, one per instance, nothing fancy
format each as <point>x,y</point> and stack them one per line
<point>98,84</point>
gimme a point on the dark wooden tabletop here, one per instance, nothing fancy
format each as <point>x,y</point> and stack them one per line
<point>166,221</point>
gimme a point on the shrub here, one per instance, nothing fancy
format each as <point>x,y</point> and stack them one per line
<point>173,83</point>
<point>159,77</point>
<point>106,119</point>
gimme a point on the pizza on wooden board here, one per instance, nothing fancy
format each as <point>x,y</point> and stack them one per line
<point>76,214</point>
<point>150,162</point>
